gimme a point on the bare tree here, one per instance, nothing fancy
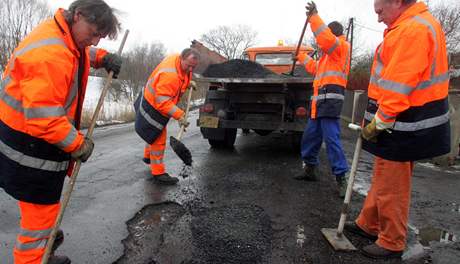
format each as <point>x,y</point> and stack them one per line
<point>137,67</point>
<point>17,19</point>
<point>448,15</point>
<point>230,41</point>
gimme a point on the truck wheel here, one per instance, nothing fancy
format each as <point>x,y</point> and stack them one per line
<point>227,142</point>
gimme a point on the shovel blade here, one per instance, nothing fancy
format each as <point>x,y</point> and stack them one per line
<point>339,243</point>
<point>181,150</point>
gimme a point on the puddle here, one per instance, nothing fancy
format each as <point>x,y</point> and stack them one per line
<point>430,234</point>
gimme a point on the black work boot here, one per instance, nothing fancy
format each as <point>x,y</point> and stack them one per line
<point>146,160</point>
<point>377,252</point>
<point>165,179</point>
<point>352,227</point>
<point>342,184</point>
<point>58,260</point>
<point>58,240</point>
<point>310,173</point>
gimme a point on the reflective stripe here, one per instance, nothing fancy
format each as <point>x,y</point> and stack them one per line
<point>433,31</point>
<point>35,233</point>
<point>387,117</point>
<point>32,162</point>
<point>11,101</point>
<point>173,110</point>
<point>331,49</point>
<point>331,73</point>
<point>68,140</point>
<point>328,96</point>
<point>149,119</point>
<point>31,245</point>
<point>92,55</point>
<point>157,152</point>
<point>44,112</point>
<point>434,80</point>
<point>414,126</point>
<point>161,99</point>
<point>423,124</point>
<point>155,161</point>
<point>34,45</point>
<point>320,30</point>
<point>391,85</point>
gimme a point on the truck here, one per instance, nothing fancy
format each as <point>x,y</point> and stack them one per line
<point>263,105</point>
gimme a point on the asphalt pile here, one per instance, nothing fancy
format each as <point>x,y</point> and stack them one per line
<point>239,69</point>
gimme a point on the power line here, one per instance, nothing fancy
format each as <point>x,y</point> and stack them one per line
<point>368,28</point>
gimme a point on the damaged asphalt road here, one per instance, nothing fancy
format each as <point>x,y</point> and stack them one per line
<point>236,206</point>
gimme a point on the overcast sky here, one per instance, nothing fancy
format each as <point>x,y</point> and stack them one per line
<point>177,22</point>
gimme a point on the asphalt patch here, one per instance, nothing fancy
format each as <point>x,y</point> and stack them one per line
<point>239,233</point>
<point>239,69</point>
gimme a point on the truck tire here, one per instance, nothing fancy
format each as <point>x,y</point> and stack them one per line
<point>227,142</point>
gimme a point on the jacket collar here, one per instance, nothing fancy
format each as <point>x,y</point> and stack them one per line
<point>412,11</point>
<point>65,29</point>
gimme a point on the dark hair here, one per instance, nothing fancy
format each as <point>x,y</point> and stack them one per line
<point>190,51</point>
<point>96,12</point>
<point>408,1</point>
<point>336,28</point>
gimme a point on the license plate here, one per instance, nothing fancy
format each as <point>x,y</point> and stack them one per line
<point>209,121</point>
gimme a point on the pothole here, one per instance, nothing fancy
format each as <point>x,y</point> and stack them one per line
<point>148,234</point>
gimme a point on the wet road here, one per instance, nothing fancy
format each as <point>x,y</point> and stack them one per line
<point>238,206</point>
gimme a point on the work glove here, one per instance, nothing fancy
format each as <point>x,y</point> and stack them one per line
<point>183,122</point>
<point>85,150</point>
<point>112,62</point>
<point>370,132</point>
<point>311,9</point>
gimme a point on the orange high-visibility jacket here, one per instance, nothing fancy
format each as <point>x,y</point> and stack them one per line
<point>160,96</point>
<point>408,89</point>
<point>41,96</point>
<point>331,71</point>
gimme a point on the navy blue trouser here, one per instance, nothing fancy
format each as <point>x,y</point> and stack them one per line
<point>315,131</point>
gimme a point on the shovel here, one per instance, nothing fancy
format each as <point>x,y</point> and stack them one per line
<point>298,45</point>
<point>76,169</point>
<point>181,150</point>
<point>335,236</point>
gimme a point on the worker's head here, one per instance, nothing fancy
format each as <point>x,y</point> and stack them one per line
<point>189,59</point>
<point>336,28</point>
<point>91,20</point>
<point>388,11</point>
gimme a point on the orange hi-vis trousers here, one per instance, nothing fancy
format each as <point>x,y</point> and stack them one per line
<point>37,221</point>
<point>155,153</point>
<point>385,212</point>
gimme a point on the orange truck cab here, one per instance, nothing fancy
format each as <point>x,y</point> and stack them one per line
<point>278,59</point>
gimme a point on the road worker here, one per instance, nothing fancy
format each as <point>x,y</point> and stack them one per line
<point>331,73</point>
<point>407,119</point>
<point>158,103</point>
<point>41,97</point>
